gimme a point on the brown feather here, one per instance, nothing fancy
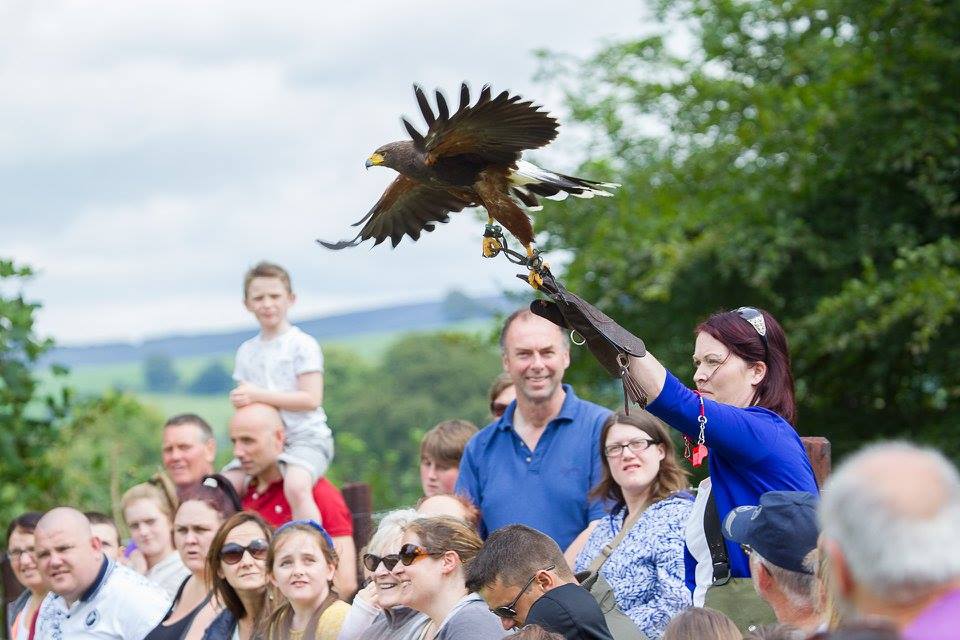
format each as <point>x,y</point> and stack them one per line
<point>494,196</point>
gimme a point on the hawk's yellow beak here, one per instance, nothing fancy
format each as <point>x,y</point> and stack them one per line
<point>375,159</point>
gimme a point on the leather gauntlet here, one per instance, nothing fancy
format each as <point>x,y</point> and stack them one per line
<point>609,343</point>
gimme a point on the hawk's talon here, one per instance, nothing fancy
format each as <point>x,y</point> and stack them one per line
<point>535,279</point>
<point>491,247</point>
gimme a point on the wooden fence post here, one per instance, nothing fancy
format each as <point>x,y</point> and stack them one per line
<point>818,450</point>
<point>359,500</point>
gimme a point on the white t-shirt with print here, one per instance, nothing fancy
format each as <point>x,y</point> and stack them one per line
<point>121,605</point>
<point>275,364</point>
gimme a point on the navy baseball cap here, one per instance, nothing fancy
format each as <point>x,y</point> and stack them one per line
<point>783,529</point>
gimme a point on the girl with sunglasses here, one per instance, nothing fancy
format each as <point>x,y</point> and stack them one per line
<point>376,613</point>
<point>201,512</point>
<point>301,564</point>
<point>638,548</point>
<point>237,574</point>
<point>431,560</point>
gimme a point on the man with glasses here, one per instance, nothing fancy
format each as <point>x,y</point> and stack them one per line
<point>536,464</point>
<point>523,577</point>
<point>778,536</point>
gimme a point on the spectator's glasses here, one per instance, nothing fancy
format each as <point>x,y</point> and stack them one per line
<point>232,553</point>
<point>371,562</point>
<point>508,611</point>
<point>15,554</point>
<point>498,408</point>
<point>755,318</point>
<point>636,446</point>
<point>410,553</point>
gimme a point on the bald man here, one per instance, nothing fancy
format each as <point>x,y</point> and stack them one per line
<point>257,434</point>
<point>890,516</point>
<point>90,595</point>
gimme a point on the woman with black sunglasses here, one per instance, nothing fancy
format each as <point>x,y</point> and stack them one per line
<point>432,559</point>
<point>237,574</point>
<point>376,612</point>
<point>742,411</point>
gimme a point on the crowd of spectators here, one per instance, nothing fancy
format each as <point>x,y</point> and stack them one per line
<point>559,519</point>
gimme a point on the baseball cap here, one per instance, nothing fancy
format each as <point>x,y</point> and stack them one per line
<point>783,528</point>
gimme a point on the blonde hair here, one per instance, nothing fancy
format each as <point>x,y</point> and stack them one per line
<point>446,533</point>
<point>701,623</point>
<point>277,626</point>
<point>159,489</point>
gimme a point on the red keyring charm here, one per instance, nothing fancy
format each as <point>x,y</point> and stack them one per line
<point>698,453</point>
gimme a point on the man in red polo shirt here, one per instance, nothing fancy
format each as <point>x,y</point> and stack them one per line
<point>256,431</point>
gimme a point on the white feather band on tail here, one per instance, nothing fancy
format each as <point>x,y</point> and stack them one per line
<point>531,181</point>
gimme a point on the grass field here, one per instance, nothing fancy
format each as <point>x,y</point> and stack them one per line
<point>95,379</point>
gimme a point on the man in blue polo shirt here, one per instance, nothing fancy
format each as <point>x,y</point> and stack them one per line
<point>536,464</point>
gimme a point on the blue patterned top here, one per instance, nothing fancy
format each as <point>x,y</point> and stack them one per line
<point>646,569</point>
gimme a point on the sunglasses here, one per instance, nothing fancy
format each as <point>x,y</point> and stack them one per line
<point>371,562</point>
<point>232,553</point>
<point>410,553</point>
<point>509,611</point>
<point>755,318</point>
<point>498,408</point>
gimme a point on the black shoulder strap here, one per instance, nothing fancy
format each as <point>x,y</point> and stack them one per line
<point>718,549</point>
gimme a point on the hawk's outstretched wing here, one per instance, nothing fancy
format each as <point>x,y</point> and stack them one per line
<point>494,130</point>
<point>407,208</point>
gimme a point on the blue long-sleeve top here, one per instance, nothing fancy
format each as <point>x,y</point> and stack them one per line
<point>752,451</point>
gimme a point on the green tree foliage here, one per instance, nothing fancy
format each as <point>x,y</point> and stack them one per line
<point>803,156</point>
<point>212,379</point>
<point>110,443</point>
<point>379,412</point>
<point>29,418</point>
<point>159,375</point>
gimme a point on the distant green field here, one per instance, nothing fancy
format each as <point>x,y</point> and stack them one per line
<point>95,379</point>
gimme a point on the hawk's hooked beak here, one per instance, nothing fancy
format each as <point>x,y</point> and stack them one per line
<point>373,160</point>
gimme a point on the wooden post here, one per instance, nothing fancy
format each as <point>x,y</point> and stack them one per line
<point>359,500</point>
<point>818,450</point>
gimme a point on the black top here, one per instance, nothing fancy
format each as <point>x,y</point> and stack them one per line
<point>176,630</point>
<point>572,612</point>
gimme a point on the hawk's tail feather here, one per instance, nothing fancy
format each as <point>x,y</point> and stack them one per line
<point>534,181</point>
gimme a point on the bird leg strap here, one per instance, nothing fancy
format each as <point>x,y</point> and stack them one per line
<point>494,243</point>
<point>609,343</point>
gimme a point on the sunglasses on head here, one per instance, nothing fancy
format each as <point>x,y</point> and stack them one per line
<point>410,553</point>
<point>755,318</point>
<point>509,611</point>
<point>371,561</point>
<point>232,553</point>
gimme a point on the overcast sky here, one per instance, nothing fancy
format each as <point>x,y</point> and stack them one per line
<point>151,151</point>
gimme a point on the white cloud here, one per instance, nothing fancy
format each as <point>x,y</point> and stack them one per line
<point>154,150</point>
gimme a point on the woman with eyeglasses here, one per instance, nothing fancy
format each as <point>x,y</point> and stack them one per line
<point>301,564</point>
<point>22,613</point>
<point>432,558</point>
<point>647,487</point>
<point>237,574</point>
<point>148,510</point>
<point>376,613</point>
<point>742,411</point>
<point>203,509</point>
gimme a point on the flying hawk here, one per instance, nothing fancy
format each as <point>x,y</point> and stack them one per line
<point>466,159</point>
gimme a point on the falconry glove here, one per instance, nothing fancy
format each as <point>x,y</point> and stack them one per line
<point>609,343</point>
